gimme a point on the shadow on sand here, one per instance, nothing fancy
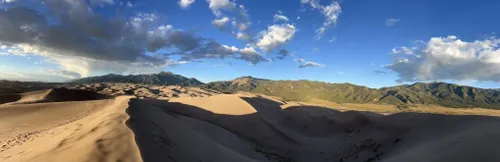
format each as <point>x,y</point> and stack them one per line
<point>52,95</point>
<point>171,131</point>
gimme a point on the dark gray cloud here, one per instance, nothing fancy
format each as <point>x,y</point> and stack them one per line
<point>183,41</point>
<point>213,49</point>
<point>14,25</point>
<point>282,53</point>
<point>250,55</point>
<point>76,30</point>
<point>79,32</point>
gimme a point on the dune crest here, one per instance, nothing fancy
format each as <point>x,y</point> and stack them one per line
<point>51,95</point>
<point>219,104</point>
<point>61,125</point>
<point>295,132</point>
<point>90,130</point>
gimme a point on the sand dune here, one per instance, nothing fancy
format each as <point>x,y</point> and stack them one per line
<point>144,91</point>
<point>92,130</point>
<point>306,133</point>
<point>79,125</point>
<point>20,87</point>
<point>53,95</point>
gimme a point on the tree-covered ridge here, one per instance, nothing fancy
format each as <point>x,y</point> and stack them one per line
<point>437,93</point>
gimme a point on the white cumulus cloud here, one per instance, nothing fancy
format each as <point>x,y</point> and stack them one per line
<point>280,17</point>
<point>8,1</point>
<point>243,36</point>
<point>331,13</point>
<point>275,36</point>
<point>240,26</point>
<point>305,64</point>
<point>449,58</point>
<point>220,23</point>
<point>229,9</point>
<point>247,53</point>
<point>185,3</point>
<point>310,64</point>
<point>402,50</point>
<point>217,5</point>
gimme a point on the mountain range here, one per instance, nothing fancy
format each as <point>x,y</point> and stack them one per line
<point>162,78</point>
<point>435,93</point>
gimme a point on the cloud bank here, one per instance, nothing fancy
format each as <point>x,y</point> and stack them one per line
<point>448,58</point>
<point>82,42</point>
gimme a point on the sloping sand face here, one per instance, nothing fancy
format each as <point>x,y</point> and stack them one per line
<point>60,125</point>
<point>166,136</point>
<point>51,95</point>
<point>183,130</point>
<point>92,130</point>
<point>6,98</point>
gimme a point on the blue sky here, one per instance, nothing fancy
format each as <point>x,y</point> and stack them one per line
<point>373,43</point>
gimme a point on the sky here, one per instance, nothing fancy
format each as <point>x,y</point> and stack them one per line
<point>365,42</point>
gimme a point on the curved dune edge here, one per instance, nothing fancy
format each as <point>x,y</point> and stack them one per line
<point>51,95</point>
<point>239,127</point>
<point>68,131</point>
<point>264,129</point>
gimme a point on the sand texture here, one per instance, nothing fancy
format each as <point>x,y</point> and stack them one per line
<point>125,122</point>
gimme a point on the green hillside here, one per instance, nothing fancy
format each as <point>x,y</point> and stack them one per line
<point>437,93</point>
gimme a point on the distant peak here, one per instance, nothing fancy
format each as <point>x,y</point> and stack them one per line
<point>161,78</point>
<point>166,73</point>
<point>245,77</point>
<point>111,74</point>
<point>249,78</point>
<point>430,83</point>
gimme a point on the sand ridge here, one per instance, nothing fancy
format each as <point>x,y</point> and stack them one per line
<point>173,123</point>
<point>312,133</point>
<point>144,91</point>
<point>91,130</point>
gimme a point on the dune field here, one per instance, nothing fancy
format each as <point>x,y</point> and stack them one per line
<point>193,124</point>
